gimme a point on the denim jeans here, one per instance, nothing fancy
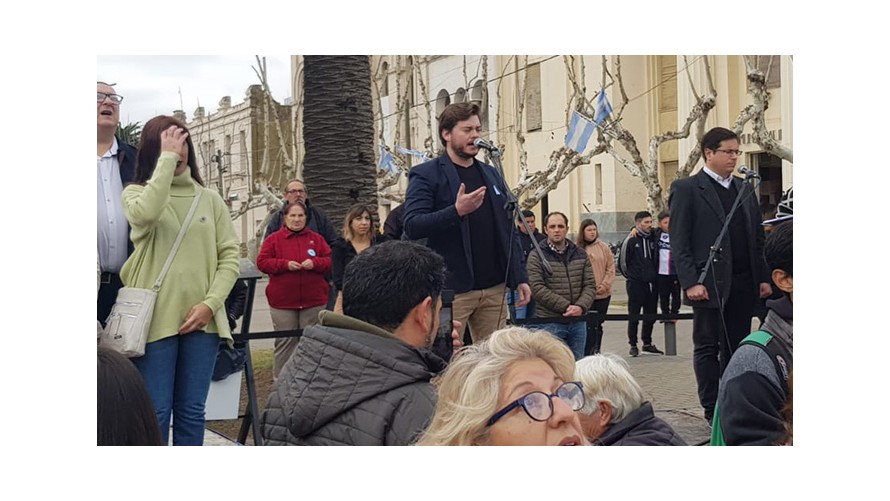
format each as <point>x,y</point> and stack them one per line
<point>527,311</point>
<point>177,372</point>
<point>574,335</point>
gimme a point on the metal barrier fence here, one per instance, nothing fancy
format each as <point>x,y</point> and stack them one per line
<point>670,328</point>
<point>250,274</point>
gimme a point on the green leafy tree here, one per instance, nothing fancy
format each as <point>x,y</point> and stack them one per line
<point>130,133</point>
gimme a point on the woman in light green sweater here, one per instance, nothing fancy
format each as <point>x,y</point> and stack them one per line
<point>189,316</point>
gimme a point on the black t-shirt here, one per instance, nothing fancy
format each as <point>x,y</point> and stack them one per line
<point>489,263</point>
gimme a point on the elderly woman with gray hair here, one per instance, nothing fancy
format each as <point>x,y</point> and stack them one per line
<point>615,412</point>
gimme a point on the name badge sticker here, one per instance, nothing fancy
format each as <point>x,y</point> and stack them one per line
<point>311,252</point>
<point>496,192</point>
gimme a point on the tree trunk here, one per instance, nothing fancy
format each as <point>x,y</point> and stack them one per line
<point>338,131</point>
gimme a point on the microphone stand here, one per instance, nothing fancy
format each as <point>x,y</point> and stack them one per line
<point>715,256</point>
<point>716,249</point>
<point>512,208</point>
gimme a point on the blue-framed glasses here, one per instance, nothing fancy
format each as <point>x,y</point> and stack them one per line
<point>539,405</point>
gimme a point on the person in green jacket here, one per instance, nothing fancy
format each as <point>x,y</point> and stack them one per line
<point>189,316</point>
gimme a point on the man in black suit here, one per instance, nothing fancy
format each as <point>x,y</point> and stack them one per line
<point>457,203</point>
<point>115,167</point>
<point>723,300</point>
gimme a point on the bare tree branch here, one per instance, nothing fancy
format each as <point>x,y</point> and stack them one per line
<point>760,95</point>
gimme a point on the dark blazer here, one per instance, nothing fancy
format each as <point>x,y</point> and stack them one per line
<point>430,214</point>
<point>393,227</point>
<point>697,217</point>
<point>126,158</point>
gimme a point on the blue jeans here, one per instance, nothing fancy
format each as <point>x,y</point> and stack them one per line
<point>527,311</point>
<point>574,335</point>
<point>177,372</point>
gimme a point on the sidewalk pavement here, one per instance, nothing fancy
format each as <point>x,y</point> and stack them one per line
<point>668,381</point>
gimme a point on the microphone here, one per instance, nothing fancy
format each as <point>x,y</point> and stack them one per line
<point>748,173</point>
<point>481,143</point>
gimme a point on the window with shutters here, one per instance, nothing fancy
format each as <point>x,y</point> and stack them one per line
<point>533,118</point>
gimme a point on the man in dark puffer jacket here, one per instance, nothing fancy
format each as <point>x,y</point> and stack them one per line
<point>363,378</point>
<point>615,411</point>
<point>569,290</point>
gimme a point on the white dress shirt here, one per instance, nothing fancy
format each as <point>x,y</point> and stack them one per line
<point>716,177</point>
<point>111,230</point>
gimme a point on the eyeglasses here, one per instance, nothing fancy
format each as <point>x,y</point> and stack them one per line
<point>294,192</point>
<point>732,153</point>
<point>539,405</point>
<point>115,99</point>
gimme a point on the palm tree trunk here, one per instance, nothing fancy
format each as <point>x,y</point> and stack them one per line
<point>338,130</point>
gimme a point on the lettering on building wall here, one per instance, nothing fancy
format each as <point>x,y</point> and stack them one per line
<point>748,138</point>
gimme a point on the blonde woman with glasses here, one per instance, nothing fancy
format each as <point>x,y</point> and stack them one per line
<point>516,387</point>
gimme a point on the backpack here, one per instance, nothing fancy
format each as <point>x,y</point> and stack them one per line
<point>778,352</point>
<point>620,263</point>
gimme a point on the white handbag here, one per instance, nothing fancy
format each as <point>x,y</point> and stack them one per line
<point>126,329</point>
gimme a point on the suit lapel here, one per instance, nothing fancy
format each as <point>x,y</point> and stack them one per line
<point>450,175</point>
<point>448,170</point>
<point>709,194</point>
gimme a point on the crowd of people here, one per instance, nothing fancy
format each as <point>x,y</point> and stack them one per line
<point>369,305</point>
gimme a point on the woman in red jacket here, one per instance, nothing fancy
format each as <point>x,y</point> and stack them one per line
<point>296,259</point>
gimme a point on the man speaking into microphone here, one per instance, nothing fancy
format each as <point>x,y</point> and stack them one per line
<point>457,203</point>
<point>722,299</point>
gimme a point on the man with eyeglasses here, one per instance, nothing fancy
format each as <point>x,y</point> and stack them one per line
<point>723,301</point>
<point>316,219</point>
<point>115,167</point>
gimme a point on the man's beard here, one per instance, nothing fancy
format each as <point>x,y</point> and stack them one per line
<point>463,154</point>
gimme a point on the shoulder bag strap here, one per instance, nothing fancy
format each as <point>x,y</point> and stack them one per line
<point>185,225</point>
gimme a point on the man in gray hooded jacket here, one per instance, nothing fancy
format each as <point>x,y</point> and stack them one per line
<point>363,378</point>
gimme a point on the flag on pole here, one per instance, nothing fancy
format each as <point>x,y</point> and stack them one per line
<point>386,161</point>
<point>580,130</point>
<point>603,108</point>
<point>416,153</point>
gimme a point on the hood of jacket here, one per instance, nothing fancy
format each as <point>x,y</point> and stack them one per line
<point>640,427</point>
<point>343,362</point>
<point>779,319</point>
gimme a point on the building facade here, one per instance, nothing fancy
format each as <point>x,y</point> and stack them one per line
<point>231,147</point>
<point>526,109</point>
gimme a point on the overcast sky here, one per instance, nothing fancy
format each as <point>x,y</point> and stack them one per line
<point>151,84</point>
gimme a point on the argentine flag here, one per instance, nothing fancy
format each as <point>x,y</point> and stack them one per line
<point>386,161</point>
<point>580,130</point>
<point>603,108</point>
<point>415,153</point>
